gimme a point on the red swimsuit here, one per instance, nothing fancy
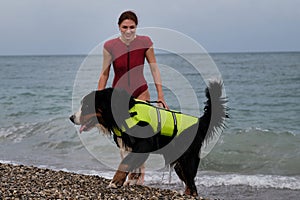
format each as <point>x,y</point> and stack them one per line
<point>128,63</point>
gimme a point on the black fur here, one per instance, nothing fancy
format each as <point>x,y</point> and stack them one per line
<point>112,108</point>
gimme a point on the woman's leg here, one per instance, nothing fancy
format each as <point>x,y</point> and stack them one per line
<point>138,175</point>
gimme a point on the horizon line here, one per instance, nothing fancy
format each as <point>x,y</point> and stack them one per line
<point>159,53</point>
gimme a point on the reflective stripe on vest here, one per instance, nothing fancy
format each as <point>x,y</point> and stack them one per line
<point>167,122</point>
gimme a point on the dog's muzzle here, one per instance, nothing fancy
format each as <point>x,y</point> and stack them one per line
<point>75,118</point>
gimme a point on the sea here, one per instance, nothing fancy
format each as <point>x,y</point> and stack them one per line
<point>257,156</point>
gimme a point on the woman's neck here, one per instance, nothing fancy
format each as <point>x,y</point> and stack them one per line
<point>127,41</point>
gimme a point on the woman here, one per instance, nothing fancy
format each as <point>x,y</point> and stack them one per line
<point>127,53</point>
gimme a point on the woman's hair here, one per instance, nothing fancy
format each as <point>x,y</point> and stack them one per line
<point>128,15</point>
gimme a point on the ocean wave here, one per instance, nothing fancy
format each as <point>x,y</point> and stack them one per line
<point>209,179</point>
<point>256,150</point>
<point>17,132</point>
<point>54,129</point>
<point>166,179</point>
<point>257,181</point>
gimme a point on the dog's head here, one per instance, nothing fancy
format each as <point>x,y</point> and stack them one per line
<point>102,109</point>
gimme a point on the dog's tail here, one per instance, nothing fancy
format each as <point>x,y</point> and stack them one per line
<point>215,110</point>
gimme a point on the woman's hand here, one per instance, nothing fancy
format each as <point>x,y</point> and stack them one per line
<point>162,103</point>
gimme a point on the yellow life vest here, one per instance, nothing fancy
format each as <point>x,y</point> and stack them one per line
<point>167,122</point>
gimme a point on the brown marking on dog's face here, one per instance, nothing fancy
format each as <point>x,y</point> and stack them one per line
<point>85,118</point>
<point>89,121</point>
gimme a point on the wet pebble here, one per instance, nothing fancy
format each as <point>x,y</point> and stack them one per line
<point>23,182</point>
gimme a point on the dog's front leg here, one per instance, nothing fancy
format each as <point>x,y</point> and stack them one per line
<point>128,164</point>
<point>119,177</point>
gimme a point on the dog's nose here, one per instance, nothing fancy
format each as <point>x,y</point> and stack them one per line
<point>72,118</point>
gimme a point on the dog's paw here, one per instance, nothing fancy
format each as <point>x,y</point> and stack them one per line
<point>130,182</point>
<point>112,185</point>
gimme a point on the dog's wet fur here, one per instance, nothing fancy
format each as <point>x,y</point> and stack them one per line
<point>108,110</point>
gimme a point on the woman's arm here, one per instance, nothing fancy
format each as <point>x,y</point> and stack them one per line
<point>150,56</point>
<point>107,58</point>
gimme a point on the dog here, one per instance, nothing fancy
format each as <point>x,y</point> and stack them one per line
<point>143,128</point>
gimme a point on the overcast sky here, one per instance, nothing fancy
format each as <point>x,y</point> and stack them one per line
<point>77,26</point>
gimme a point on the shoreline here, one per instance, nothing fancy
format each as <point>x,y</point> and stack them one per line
<point>18,181</point>
<point>29,182</point>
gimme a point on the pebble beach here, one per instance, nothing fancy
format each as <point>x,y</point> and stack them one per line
<point>28,182</point>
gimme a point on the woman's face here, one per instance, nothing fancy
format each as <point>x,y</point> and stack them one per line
<point>128,29</point>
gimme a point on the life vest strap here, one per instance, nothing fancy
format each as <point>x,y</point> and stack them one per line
<point>158,119</point>
<point>175,125</point>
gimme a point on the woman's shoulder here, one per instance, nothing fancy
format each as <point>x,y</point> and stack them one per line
<point>146,40</point>
<point>109,44</point>
<point>111,41</point>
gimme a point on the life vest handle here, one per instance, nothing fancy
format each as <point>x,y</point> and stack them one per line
<point>158,102</point>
